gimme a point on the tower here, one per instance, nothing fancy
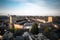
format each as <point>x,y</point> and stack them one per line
<point>50,19</point>
<point>11,21</point>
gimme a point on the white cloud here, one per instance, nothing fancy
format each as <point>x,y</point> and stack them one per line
<point>31,9</point>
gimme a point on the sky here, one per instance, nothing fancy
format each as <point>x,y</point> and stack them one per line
<point>30,7</point>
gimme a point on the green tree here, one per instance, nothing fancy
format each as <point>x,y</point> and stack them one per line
<point>34,28</point>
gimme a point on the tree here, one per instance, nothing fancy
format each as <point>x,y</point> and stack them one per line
<point>34,28</point>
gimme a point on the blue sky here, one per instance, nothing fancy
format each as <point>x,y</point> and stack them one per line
<point>14,3</point>
<point>34,5</point>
